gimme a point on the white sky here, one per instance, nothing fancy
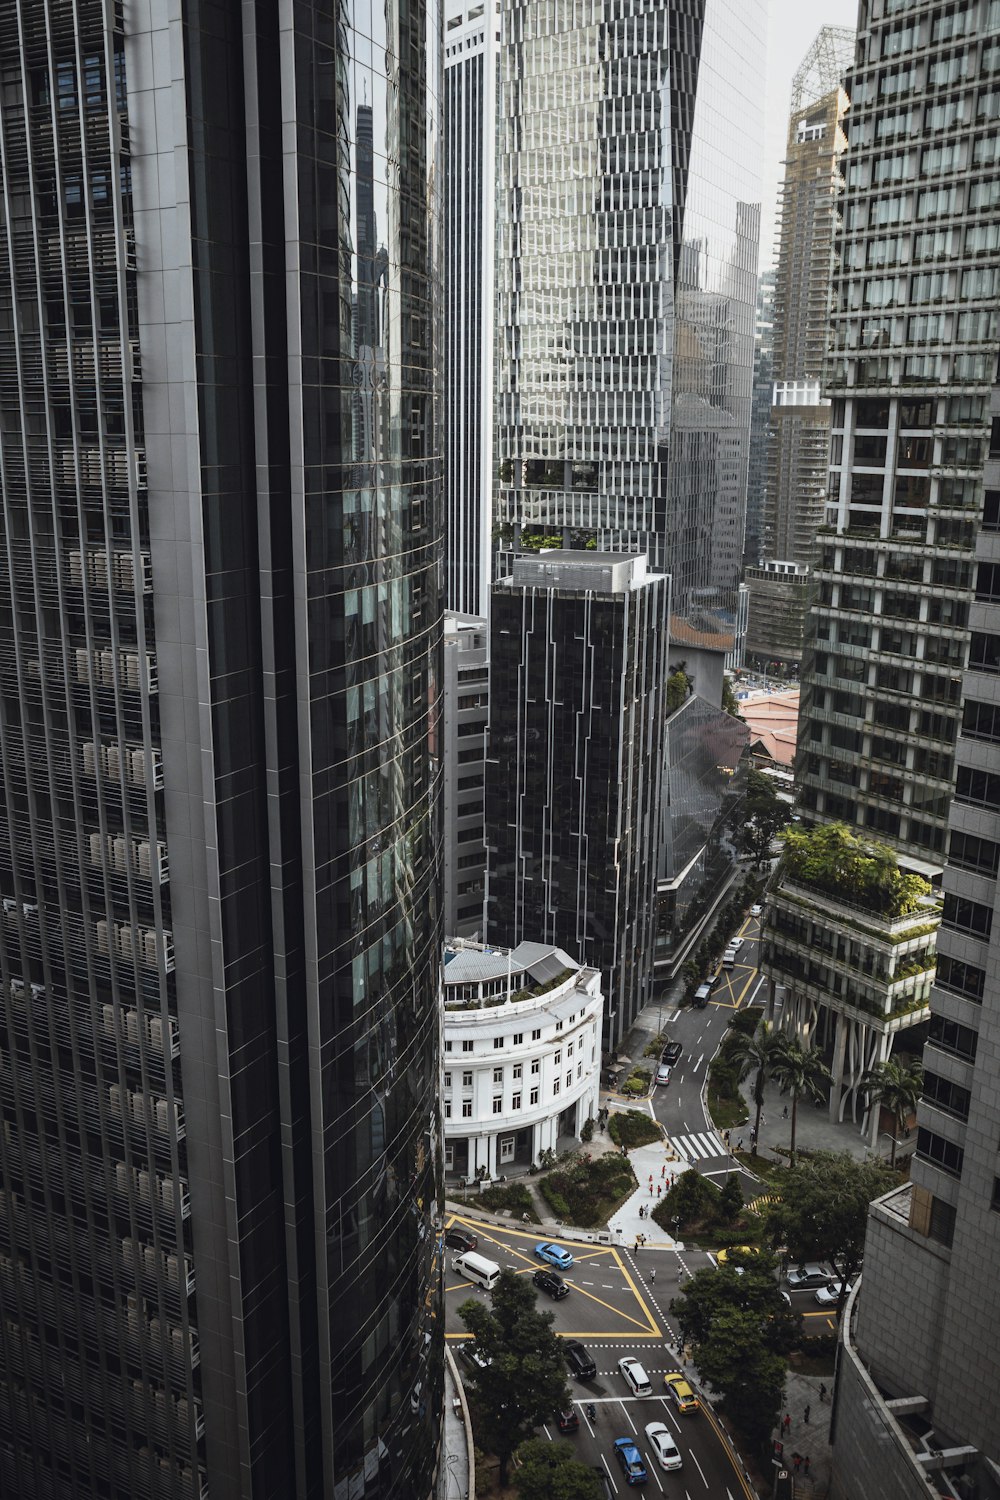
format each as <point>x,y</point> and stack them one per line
<point>793,27</point>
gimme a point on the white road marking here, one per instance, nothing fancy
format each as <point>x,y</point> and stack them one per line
<point>628,1418</point>
<point>698,1064</point>
<point>699,1468</point>
<point>611,1477</point>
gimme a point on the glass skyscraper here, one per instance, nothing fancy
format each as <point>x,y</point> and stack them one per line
<point>220,634</point>
<point>626,284</point>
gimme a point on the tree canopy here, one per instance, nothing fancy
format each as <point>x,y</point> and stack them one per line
<point>524,1378</point>
<point>836,861</point>
<point>825,1217</point>
<point>800,1072</point>
<point>740,1330</point>
<point>897,1086</point>
<point>552,1471</point>
<point>764,814</point>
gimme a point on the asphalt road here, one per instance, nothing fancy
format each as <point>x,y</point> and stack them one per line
<point>615,1307</point>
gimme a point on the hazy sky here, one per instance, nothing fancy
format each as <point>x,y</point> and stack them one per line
<point>794,25</point>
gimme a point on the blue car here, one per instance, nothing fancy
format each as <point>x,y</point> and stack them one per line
<point>631,1461</point>
<point>555,1255</point>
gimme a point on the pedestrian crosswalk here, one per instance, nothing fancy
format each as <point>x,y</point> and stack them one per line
<point>698,1147</point>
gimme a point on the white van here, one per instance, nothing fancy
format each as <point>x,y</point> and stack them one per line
<point>635,1376</point>
<point>485,1273</point>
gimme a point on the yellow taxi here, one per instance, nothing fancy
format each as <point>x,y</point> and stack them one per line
<point>680,1392</point>
<point>724,1256</point>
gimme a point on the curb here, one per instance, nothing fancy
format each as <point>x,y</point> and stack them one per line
<point>466,1420</point>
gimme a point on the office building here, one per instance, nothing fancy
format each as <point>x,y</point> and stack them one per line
<point>628,220</point>
<point>915,1397</point>
<point>574,764</point>
<point>466,715</point>
<point>522,1055</point>
<point>799,438</point>
<point>760,417</point>
<point>220,644</point>
<point>913,357</point>
<point>470,75</point>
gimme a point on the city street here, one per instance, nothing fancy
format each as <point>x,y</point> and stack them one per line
<point>678,1105</point>
<point>616,1308</point>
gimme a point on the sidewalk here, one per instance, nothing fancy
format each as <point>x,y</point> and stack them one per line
<point>657,1162</point>
<point>814,1130</point>
<point>453,1473</point>
<point>811,1440</point>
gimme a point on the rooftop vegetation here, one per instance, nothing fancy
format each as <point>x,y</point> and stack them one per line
<point>833,860</point>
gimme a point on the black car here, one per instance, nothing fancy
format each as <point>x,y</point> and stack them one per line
<point>581,1366</point>
<point>671,1053</point>
<point>567,1421</point>
<point>549,1282</point>
<point>460,1239</point>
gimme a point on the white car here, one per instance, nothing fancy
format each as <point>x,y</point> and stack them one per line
<point>756,910</point>
<point>663,1447</point>
<point>736,944</point>
<point>829,1295</point>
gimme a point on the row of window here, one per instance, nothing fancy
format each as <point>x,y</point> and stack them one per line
<point>515,1098</point>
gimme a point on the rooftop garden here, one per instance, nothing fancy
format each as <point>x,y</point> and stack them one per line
<point>528,992</point>
<point>836,862</point>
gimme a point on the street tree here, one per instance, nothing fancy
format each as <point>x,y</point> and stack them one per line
<point>826,1217</point>
<point>730,1198</point>
<point>740,1331</point>
<point>521,1379</point>
<point>897,1087</point>
<point>552,1471</point>
<point>691,1200</point>
<point>800,1072</point>
<point>757,1054</point>
<point>764,815</point>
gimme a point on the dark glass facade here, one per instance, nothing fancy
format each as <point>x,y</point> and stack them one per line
<point>626,284</point>
<point>219,718</point>
<point>574,765</point>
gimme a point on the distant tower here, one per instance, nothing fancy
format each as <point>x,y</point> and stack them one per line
<point>470,74</point>
<point>799,427</point>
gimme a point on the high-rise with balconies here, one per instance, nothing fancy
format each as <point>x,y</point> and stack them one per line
<point>912,361</point>
<point>220,635</point>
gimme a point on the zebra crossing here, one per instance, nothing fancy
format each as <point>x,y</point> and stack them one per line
<point>698,1147</point>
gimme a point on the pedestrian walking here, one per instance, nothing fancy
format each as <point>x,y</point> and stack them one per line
<point>652,1275</point>
<point>822,1393</point>
<point>784,1113</point>
<point>673,1178</point>
<point>805,1464</point>
<point>796,1461</point>
<point>805,1415</point>
<point>763,1118</point>
<point>663,1170</point>
<point>786,1425</point>
<point>651,1190</point>
<point>739,1143</point>
<point>659,1190</point>
<point>651,1179</point>
<point>635,1248</point>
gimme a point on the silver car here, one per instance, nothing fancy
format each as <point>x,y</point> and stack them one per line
<point>663,1073</point>
<point>810,1275</point>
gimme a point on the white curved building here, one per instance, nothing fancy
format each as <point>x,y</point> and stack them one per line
<point>522,1054</point>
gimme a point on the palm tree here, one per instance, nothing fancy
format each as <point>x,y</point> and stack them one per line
<point>897,1086</point>
<point>758,1051</point>
<point>801,1072</point>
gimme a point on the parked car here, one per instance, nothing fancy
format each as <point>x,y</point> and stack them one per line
<point>568,1420</point>
<point>701,995</point>
<point>680,1392</point>
<point>630,1459</point>
<point>457,1238</point>
<point>662,1445</point>
<point>663,1073</point>
<point>672,1052</point>
<point>810,1275</point>
<point>554,1254</point>
<point>549,1282</point>
<point>470,1356</point>
<point>581,1366</point>
<point>756,910</point>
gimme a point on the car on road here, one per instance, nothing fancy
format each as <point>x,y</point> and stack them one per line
<point>568,1420</point>
<point>829,1295</point>
<point>662,1445</point>
<point>756,910</point>
<point>735,943</point>
<point>672,1052</point>
<point>634,1375</point>
<point>724,1256</point>
<point>663,1073</point>
<point>554,1254</point>
<point>701,995</point>
<point>581,1366</point>
<point>470,1356</point>
<point>460,1239</point>
<point>549,1282</point>
<point>680,1392</point>
<point>630,1459</point>
<point>799,1278</point>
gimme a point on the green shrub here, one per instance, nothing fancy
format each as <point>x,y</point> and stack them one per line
<point>512,1195</point>
<point>587,1130</point>
<point>633,1128</point>
<point>692,1200</point>
<point>589,1191</point>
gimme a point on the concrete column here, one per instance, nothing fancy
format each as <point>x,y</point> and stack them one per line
<point>839,1045</point>
<point>771,993</point>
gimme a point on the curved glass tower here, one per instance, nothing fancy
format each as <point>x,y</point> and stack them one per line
<point>220,636</point>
